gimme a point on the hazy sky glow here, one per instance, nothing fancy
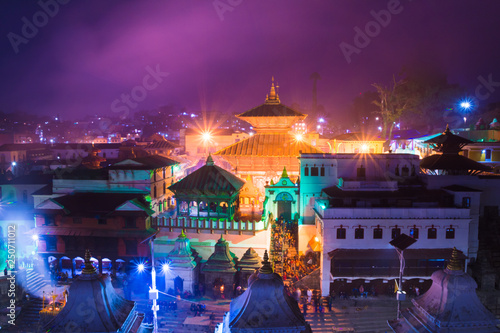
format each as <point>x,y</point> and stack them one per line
<point>90,52</point>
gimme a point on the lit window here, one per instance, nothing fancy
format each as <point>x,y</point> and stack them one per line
<point>414,233</point>
<point>466,202</point>
<point>450,233</point>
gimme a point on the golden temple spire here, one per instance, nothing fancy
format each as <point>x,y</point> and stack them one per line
<point>454,264</point>
<point>182,235</point>
<point>273,97</point>
<point>266,265</point>
<point>88,269</point>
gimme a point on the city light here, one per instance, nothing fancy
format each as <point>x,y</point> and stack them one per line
<point>206,136</point>
<point>141,268</point>
<point>466,104</point>
<point>364,147</point>
<point>34,237</point>
<point>165,267</point>
<point>14,163</point>
<point>299,137</point>
<point>321,120</point>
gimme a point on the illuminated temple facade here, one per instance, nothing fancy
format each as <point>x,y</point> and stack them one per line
<point>273,146</point>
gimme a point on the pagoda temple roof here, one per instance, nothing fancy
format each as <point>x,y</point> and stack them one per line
<point>221,260</point>
<point>450,305</point>
<point>250,261</point>
<point>265,306</point>
<point>271,110</point>
<point>451,162</point>
<point>209,180</point>
<point>269,144</point>
<point>103,309</point>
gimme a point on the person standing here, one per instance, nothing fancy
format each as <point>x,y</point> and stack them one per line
<point>330,303</point>
<point>309,295</point>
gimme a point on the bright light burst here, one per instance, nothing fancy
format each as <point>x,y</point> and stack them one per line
<point>299,137</point>
<point>141,268</point>
<point>466,104</point>
<point>165,267</point>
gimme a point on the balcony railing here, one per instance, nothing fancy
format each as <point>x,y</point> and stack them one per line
<point>207,224</point>
<point>346,272</point>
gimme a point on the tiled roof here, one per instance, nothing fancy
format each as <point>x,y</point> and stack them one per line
<point>92,204</point>
<point>210,180</point>
<point>270,110</point>
<point>149,162</point>
<point>162,145</point>
<point>272,144</point>
<point>451,162</point>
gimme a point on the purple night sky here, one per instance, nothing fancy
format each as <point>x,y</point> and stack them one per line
<point>90,52</point>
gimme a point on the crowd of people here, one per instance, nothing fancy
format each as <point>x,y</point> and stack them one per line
<point>292,267</point>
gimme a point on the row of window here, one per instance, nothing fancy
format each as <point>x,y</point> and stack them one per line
<point>315,171</point>
<point>359,233</point>
<point>130,221</point>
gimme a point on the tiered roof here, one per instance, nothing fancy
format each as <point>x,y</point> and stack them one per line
<point>269,144</point>
<point>250,261</point>
<point>209,180</point>
<point>221,260</point>
<point>182,256</point>
<point>266,296</point>
<point>94,306</point>
<point>449,145</point>
<point>451,305</point>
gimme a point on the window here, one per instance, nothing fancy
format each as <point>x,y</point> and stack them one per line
<point>322,171</point>
<point>164,187</point>
<point>341,233</point>
<point>77,220</point>
<point>359,233</point>
<point>154,192</point>
<point>487,155</point>
<point>395,232</point>
<point>361,172</point>
<point>50,220</point>
<point>130,222</point>
<point>432,233</point>
<point>314,171</point>
<point>414,232</point>
<point>101,221</point>
<point>306,171</point>
<point>466,202</point>
<point>51,243</point>
<point>377,233</point>
<point>164,172</point>
<point>130,247</point>
<point>450,233</point>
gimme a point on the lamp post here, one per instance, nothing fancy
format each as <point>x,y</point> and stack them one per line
<point>401,243</point>
<point>153,292</point>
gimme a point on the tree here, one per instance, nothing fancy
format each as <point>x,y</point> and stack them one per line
<point>393,103</point>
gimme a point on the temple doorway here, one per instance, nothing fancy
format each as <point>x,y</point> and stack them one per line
<point>285,210</point>
<point>178,285</point>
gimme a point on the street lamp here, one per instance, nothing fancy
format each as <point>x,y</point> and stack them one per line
<point>401,243</point>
